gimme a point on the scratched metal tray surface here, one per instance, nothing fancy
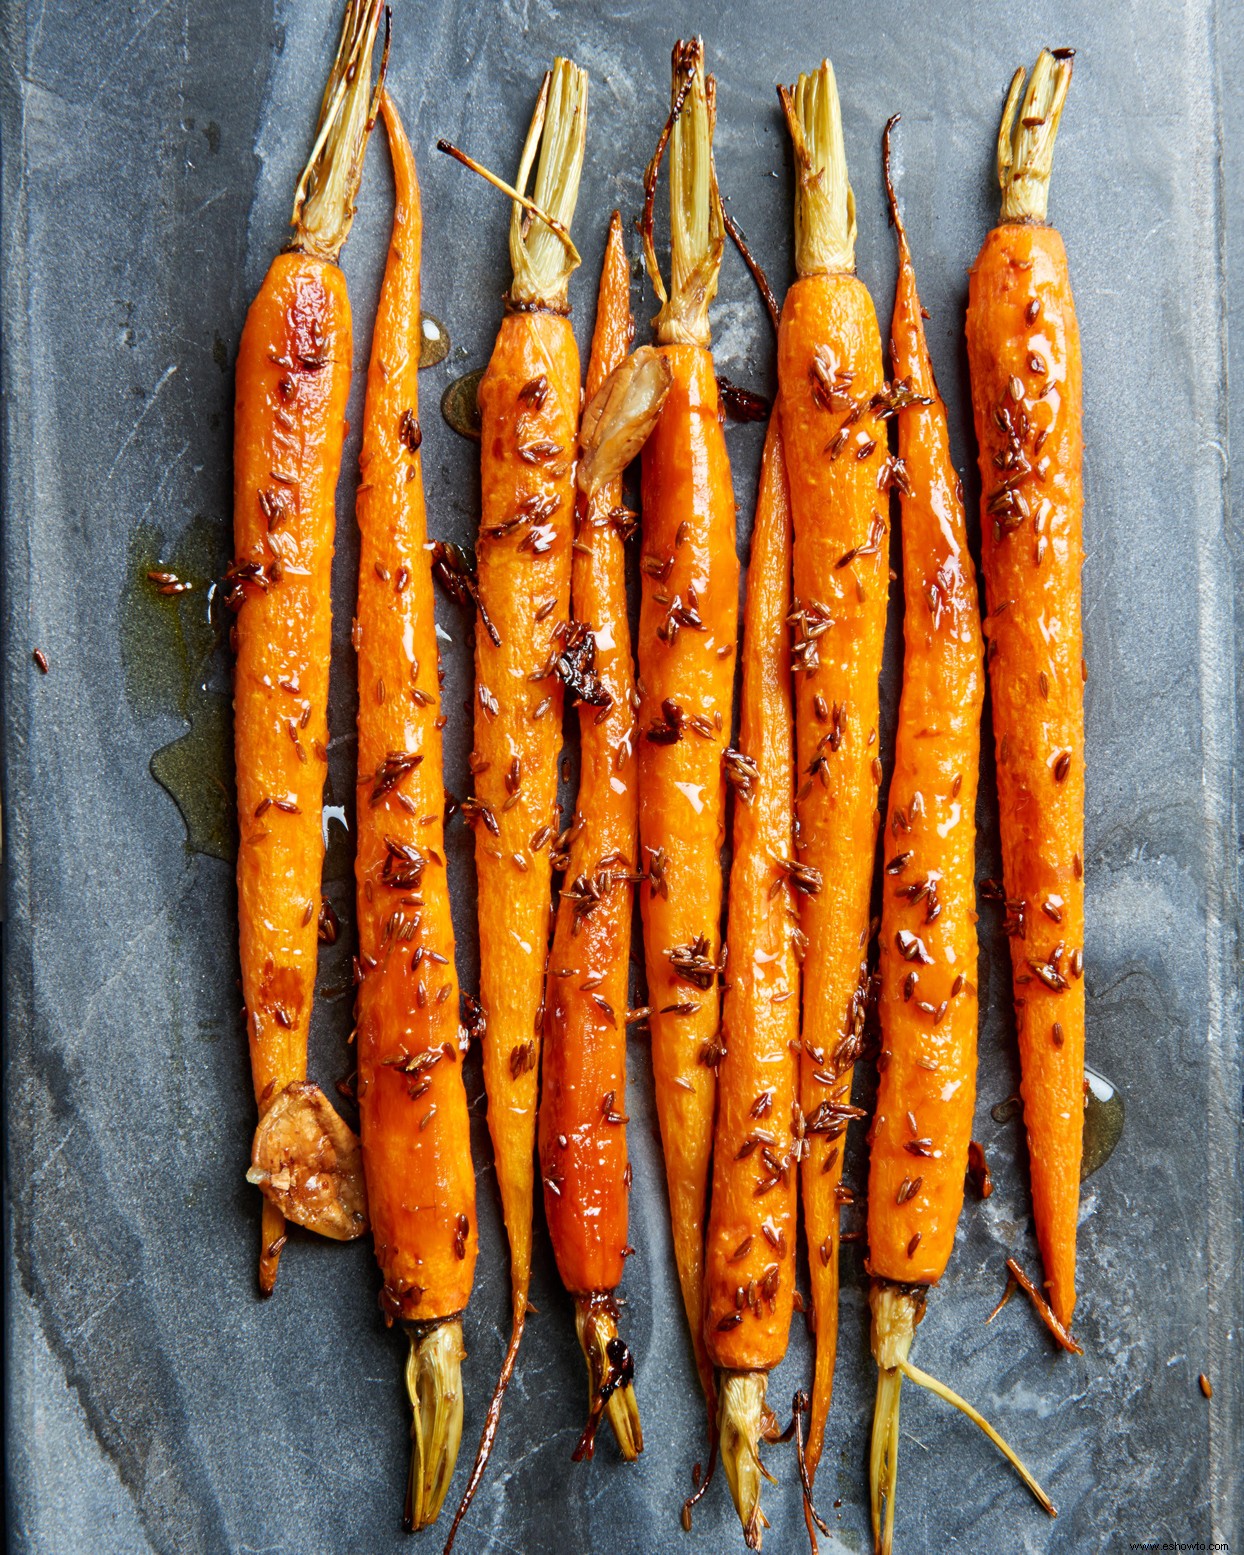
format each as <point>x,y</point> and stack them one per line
<point>153,1401</point>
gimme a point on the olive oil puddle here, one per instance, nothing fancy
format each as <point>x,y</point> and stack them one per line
<point>172,650</point>
<point>460,404</point>
<point>433,341</point>
<point>168,644</point>
<point>1103,1120</point>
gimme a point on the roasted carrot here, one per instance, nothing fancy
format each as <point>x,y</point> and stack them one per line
<point>928,953</point>
<point>687,627</point>
<point>829,378</point>
<point>529,402</point>
<point>412,1101</point>
<point>583,1160</point>
<point>293,377</point>
<point>1024,359</point>
<point>750,1255</point>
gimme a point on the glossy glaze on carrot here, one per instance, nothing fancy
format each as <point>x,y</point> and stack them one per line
<point>583,1157</point>
<point>918,1141</point>
<point>926,1092</point>
<point>529,402</point>
<point>1024,358</point>
<point>830,374</point>
<point>293,379</point>
<point>750,1252</point>
<point>412,1100</point>
<point>687,631</point>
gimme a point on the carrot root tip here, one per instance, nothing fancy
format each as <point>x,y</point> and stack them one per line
<point>434,1387</point>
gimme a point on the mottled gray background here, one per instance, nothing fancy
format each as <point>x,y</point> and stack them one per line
<point>149,154</point>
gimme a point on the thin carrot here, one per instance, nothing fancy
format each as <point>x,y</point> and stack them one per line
<point>687,628</point>
<point>583,1158</point>
<point>412,1101</point>
<point>529,409</point>
<point>1024,357</point>
<point>293,378</point>
<point>922,1127</point>
<point>829,378</point>
<point>750,1253</point>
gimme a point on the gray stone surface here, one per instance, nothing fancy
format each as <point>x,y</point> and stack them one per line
<point>153,1403</point>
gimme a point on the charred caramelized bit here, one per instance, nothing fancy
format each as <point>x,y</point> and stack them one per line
<point>978,1170</point>
<point>668,729</point>
<point>474,1021</point>
<point>576,667</point>
<point>453,568</point>
<point>742,404</point>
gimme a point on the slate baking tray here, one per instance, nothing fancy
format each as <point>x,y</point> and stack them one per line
<point>153,1402</point>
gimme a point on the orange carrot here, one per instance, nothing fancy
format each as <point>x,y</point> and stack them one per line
<point>750,1254</point>
<point>1024,357</point>
<point>583,1161</point>
<point>412,1101</point>
<point>529,402</point>
<point>829,376</point>
<point>928,953</point>
<point>687,629</point>
<point>293,378</point>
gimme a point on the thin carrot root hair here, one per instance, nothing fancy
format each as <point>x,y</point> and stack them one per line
<point>492,1420</point>
<point>897,1309</point>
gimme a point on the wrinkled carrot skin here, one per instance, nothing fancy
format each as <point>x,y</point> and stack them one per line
<point>583,1162</point>
<point>751,1233</point>
<point>1033,570</point>
<point>927,1087</point>
<point>837,507</point>
<point>527,597</point>
<point>293,378</point>
<point>412,1101</point>
<point>686,487</point>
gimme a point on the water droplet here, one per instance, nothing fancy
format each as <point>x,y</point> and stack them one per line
<point>433,341</point>
<point>1103,1122</point>
<point>460,404</point>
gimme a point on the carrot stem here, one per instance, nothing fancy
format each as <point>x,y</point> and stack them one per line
<point>434,1388</point>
